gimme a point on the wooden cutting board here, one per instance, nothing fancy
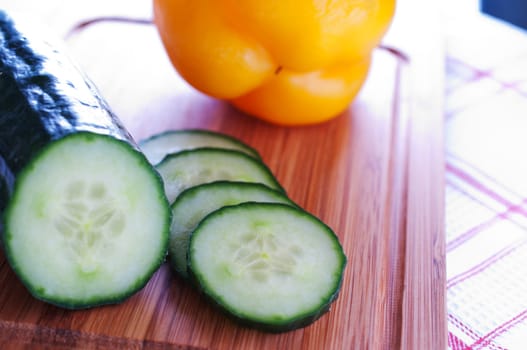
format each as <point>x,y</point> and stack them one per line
<point>374,174</point>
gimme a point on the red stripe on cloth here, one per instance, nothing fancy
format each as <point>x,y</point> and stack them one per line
<point>483,265</point>
<point>477,73</point>
<point>488,338</point>
<point>452,113</point>
<point>462,238</point>
<point>480,74</point>
<point>479,186</point>
<point>463,327</point>
<point>455,343</point>
<point>472,169</point>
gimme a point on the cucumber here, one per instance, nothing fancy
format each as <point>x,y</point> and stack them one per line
<point>159,145</point>
<point>268,265</point>
<point>7,182</point>
<point>193,204</point>
<point>86,221</point>
<point>189,168</point>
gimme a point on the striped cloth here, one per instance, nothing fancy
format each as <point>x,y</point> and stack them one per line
<point>486,181</point>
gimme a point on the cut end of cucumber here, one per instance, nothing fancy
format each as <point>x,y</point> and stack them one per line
<point>270,266</point>
<point>88,222</point>
<point>261,256</point>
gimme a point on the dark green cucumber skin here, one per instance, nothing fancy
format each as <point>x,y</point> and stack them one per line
<point>43,98</point>
<point>291,325</point>
<point>282,327</point>
<point>7,181</point>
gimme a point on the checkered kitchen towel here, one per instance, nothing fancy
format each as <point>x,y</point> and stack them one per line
<point>486,179</point>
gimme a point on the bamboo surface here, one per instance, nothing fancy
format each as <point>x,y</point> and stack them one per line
<point>374,174</point>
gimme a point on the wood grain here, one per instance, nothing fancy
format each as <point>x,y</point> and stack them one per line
<point>374,174</point>
<point>422,101</point>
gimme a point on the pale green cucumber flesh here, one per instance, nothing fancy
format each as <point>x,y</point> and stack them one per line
<point>268,265</point>
<point>189,168</point>
<point>159,145</point>
<point>88,222</point>
<point>193,204</point>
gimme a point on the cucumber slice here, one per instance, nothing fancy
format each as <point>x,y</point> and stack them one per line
<point>189,168</point>
<point>88,222</point>
<point>158,146</point>
<point>193,204</point>
<point>268,265</point>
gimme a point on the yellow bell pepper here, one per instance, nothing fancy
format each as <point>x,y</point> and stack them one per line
<point>290,62</point>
